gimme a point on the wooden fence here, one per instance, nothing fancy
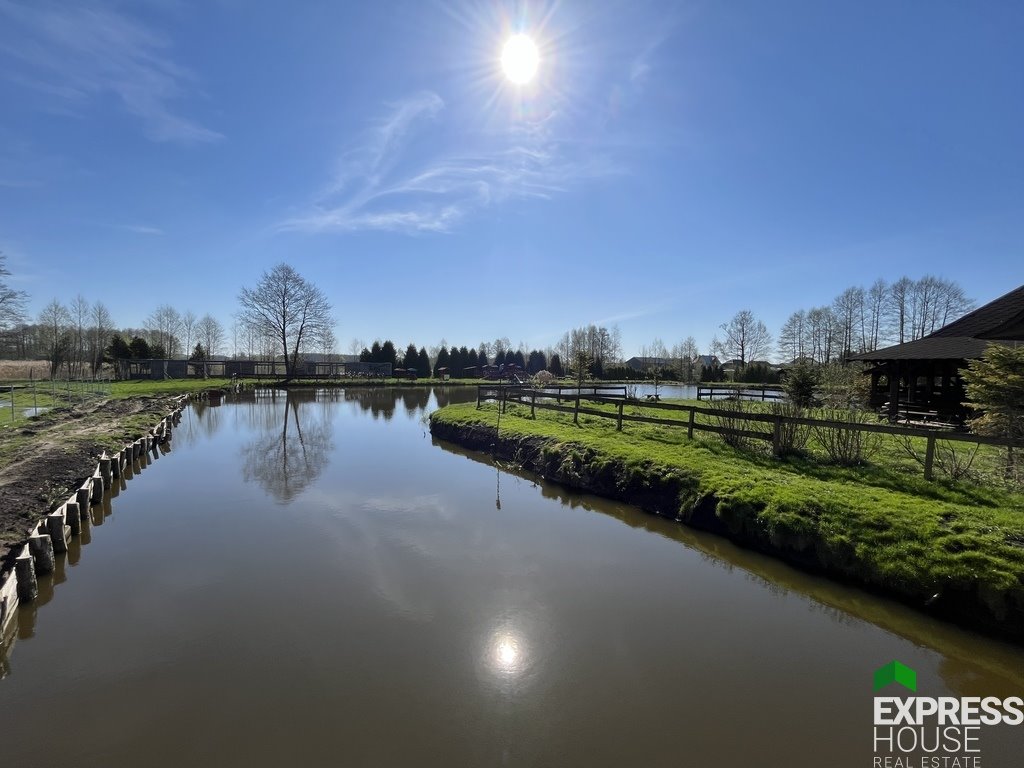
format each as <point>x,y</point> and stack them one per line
<point>536,398</point>
<point>761,393</point>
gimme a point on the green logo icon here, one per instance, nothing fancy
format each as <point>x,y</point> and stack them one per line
<point>894,672</point>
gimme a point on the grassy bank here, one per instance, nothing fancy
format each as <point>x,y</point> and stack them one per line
<point>953,549</point>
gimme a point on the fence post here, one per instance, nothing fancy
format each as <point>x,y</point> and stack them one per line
<point>777,436</point>
<point>478,397</point>
<point>689,429</point>
<point>619,427</point>
<point>929,457</point>
<point>504,399</point>
<point>533,404</point>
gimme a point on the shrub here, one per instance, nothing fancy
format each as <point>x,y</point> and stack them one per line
<point>792,437</point>
<point>847,445</point>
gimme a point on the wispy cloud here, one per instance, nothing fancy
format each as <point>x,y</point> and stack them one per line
<point>140,229</point>
<point>71,54</point>
<point>386,183</point>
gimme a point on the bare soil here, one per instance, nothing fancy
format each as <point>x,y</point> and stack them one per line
<point>43,463</point>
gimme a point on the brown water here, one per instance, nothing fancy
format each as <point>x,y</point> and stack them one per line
<point>311,580</point>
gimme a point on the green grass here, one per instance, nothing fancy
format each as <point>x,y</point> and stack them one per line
<point>882,522</point>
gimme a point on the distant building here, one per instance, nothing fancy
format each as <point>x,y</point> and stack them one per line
<point>646,363</point>
<point>706,361</point>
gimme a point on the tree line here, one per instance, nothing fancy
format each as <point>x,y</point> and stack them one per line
<point>284,316</point>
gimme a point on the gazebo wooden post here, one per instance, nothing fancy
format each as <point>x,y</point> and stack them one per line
<point>892,368</point>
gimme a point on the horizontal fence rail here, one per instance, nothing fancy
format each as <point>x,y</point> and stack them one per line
<point>539,398</point>
<point>750,393</point>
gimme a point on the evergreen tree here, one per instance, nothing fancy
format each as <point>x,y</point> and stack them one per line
<point>555,366</point>
<point>995,388</point>
<point>499,358</point>
<point>365,356</point>
<point>423,362</point>
<point>456,363</point>
<point>443,361</point>
<point>375,354</point>
<point>411,358</point>
<point>118,349</point>
<point>519,359</point>
<point>474,361</point>
<point>481,358</point>
<point>198,353</point>
<point>140,348</point>
<point>388,354</point>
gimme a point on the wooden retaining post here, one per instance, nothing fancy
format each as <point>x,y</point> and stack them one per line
<point>41,548</point>
<point>83,495</point>
<point>25,572</point>
<point>58,531</point>
<point>97,488</point>
<point>8,602</point>
<point>929,457</point>
<point>73,517</point>
<point>104,468</point>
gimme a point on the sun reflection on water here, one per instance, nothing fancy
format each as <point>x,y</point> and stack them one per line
<point>506,654</point>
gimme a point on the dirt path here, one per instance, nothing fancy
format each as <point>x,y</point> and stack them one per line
<point>41,464</point>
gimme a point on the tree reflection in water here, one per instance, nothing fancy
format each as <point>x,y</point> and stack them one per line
<point>294,446</point>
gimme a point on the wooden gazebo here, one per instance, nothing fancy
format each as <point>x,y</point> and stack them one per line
<point>924,375</point>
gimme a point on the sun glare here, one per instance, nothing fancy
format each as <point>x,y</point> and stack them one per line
<point>519,59</point>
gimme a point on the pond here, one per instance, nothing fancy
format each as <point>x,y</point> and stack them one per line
<point>308,578</point>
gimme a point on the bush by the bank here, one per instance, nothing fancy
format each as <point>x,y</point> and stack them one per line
<point>957,551</point>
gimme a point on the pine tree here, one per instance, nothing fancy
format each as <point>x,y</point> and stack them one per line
<point>443,361</point>
<point>411,357</point>
<point>423,362</point>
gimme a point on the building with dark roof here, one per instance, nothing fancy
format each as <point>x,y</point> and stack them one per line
<point>925,374</point>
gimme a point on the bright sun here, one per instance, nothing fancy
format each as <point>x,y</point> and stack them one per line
<point>519,59</point>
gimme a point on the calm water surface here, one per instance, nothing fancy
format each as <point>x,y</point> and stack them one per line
<point>309,579</point>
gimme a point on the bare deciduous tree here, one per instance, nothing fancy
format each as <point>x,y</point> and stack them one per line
<point>746,338</point>
<point>102,327</point>
<point>56,336</point>
<point>164,325</point>
<point>288,308</point>
<point>188,329</point>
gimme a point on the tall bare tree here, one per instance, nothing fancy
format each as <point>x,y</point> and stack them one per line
<point>685,352</point>
<point>746,338</point>
<point>102,328</point>
<point>164,325</point>
<point>80,311</point>
<point>56,337</point>
<point>210,334</point>
<point>793,337</point>
<point>188,324</point>
<point>874,309</point>
<point>288,308</point>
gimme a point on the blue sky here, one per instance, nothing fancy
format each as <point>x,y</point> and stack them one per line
<point>670,164</point>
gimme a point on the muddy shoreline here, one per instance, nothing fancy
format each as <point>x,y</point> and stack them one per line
<point>50,457</point>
